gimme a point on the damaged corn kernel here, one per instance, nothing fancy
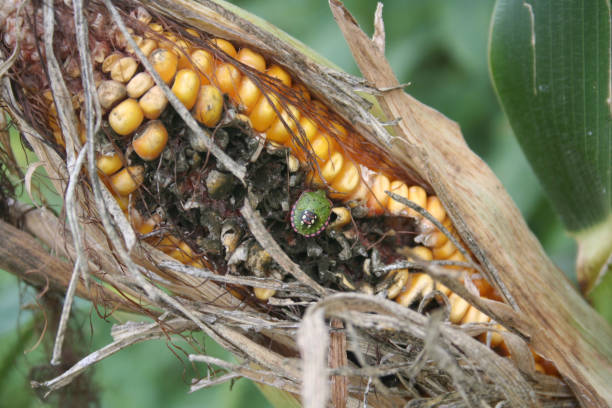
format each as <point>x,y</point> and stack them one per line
<point>208,106</point>
<point>151,141</point>
<point>127,180</point>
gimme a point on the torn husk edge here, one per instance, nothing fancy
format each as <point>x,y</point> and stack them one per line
<point>337,91</point>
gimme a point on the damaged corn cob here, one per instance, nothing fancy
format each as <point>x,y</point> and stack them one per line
<point>200,77</point>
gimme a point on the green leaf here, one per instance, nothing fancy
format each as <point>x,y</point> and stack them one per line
<point>550,64</point>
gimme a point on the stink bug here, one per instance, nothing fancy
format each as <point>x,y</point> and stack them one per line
<point>310,213</point>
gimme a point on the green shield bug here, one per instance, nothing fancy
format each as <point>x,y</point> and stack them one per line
<point>310,213</point>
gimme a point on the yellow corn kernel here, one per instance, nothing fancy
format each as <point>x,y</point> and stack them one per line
<point>109,164</point>
<point>263,293</point>
<point>185,61</point>
<point>110,93</point>
<point>59,138</point>
<point>138,40</point>
<point>148,46</point>
<point>293,164</point>
<point>417,195</point>
<point>248,94</point>
<point>400,188</point>
<point>339,131</point>
<point>436,239</point>
<point>420,284</point>
<point>441,288</point>
<point>330,170</point>
<point>347,181</point>
<point>227,78</point>
<point>203,62</point>
<point>378,199</point>
<point>182,49</point>
<point>448,223</point>
<point>124,69</point>
<point>445,251</point>
<point>171,37</point>
<point>252,59</point>
<point>167,244</point>
<point>244,120</point>
<point>109,61</point>
<point>474,315</point>
<point>278,132</point>
<point>149,224</point>
<point>165,63</point>
<point>153,102</point>
<point>359,195</point>
<point>435,208</point>
<point>399,281</point>
<point>156,27</point>
<point>310,131</point>
<point>263,113</point>
<point>458,308</point>
<point>193,32</point>
<point>279,73</point>
<point>186,87</point>
<point>457,256</point>
<point>183,45</point>
<point>169,44</point>
<point>48,95</point>
<point>150,142</point>
<point>126,117</point>
<point>225,46</point>
<point>423,253</point>
<point>127,180</point>
<point>309,127</point>
<point>139,84</point>
<point>321,147</point>
<point>343,217</point>
<point>52,119</point>
<point>495,337</point>
<point>483,287</point>
<point>183,253</point>
<point>122,201</point>
<point>209,106</point>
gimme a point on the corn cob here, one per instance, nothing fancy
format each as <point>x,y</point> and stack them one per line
<point>348,180</point>
<point>199,77</point>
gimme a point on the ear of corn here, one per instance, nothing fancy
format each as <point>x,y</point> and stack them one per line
<point>346,178</point>
<point>199,78</point>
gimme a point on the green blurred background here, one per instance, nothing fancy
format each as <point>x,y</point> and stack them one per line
<point>440,47</point>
